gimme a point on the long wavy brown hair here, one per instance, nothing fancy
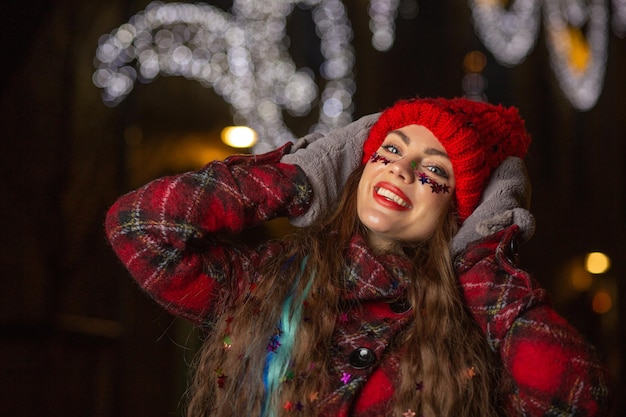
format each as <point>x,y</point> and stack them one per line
<point>443,347</point>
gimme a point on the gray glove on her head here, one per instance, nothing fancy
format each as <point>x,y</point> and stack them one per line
<point>504,202</point>
<point>328,160</point>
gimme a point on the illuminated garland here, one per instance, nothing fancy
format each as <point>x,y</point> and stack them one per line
<point>382,23</point>
<point>508,33</point>
<point>243,56</point>
<point>576,37</point>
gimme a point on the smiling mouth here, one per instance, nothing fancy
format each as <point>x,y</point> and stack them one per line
<point>391,196</point>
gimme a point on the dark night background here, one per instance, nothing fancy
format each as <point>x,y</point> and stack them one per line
<point>77,337</point>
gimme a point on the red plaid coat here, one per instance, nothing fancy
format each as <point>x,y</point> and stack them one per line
<point>166,232</point>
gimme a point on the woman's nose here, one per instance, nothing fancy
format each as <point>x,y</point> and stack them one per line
<point>404,169</point>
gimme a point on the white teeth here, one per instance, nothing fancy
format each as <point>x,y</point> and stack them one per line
<point>392,196</point>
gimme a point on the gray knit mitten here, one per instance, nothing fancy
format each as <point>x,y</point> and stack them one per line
<point>328,160</point>
<point>504,202</point>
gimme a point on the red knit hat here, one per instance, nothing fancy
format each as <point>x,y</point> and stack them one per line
<point>477,137</point>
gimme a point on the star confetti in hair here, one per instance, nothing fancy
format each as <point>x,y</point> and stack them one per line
<point>273,344</point>
<point>221,378</point>
<point>289,375</point>
<point>345,377</point>
<point>228,343</point>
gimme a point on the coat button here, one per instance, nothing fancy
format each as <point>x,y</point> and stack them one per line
<point>399,306</point>
<point>361,358</point>
<point>513,254</point>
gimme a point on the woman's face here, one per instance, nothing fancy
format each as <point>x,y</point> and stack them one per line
<point>406,187</point>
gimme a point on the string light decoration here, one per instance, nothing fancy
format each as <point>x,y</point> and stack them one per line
<point>509,33</point>
<point>242,55</point>
<point>619,17</point>
<point>382,23</point>
<point>576,37</point>
<point>578,57</point>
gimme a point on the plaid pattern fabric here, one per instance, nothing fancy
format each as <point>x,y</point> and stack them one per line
<point>367,320</point>
<point>165,233</point>
<point>556,372</point>
<point>160,231</point>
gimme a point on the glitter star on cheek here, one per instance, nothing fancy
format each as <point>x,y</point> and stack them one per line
<point>423,178</point>
<point>438,188</point>
<point>376,157</point>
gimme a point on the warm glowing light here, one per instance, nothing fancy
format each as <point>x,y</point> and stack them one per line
<point>243,55</point>
<point>239,136</point>
<point>597,262</point>
<point>579,50</point>
<point>581,279</point>
<point>474,61</point>
<point>576,38</point>
<point>601,302</point>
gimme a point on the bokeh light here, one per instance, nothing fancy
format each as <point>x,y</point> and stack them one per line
<point>576,38</point>
<point>242,55</point>
<point>601,302</point>
<point>239,136</point>
<point>597,263</point>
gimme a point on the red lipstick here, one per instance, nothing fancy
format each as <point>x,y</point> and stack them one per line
<point>390,196</point>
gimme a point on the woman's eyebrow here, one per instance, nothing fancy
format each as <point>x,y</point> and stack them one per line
<point>407,141</point>
<point>400,133</point>
<point>434,151</point>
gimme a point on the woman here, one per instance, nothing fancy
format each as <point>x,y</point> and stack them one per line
<point>361,313</point>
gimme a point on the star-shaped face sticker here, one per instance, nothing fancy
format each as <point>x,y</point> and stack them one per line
<point>376,157</point>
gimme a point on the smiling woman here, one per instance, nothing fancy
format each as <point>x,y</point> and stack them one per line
<point>401,299</point>
<point>398,198</point>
